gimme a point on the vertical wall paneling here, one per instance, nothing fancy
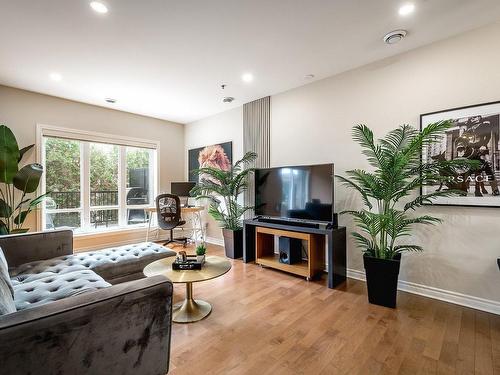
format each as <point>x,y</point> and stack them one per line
<point>257,138</point>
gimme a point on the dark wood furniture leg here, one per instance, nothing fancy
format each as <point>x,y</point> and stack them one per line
<point>248,243</point>
<point>337,258</point>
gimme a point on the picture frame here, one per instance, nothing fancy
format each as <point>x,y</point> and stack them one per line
<point>219,155</point>
<point>475,135</point>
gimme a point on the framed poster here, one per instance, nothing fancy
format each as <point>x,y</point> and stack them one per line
<point>218,155</point>
<point>475,135</point>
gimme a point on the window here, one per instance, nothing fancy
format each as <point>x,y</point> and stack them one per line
<point>94,185</point>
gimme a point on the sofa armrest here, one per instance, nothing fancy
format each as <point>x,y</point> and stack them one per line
<point>30,247</point>
<point>123,329</point>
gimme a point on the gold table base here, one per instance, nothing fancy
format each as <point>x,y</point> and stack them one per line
<point>190,310</point>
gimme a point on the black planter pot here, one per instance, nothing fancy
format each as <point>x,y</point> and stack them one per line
<point>233,243</point>
<point>382,280</point>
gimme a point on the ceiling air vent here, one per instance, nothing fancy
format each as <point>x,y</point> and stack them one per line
<point>395,36</point>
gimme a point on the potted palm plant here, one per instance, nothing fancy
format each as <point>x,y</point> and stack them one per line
<point>18,183</point>
<point>388,193</point>
<point>223,189</point>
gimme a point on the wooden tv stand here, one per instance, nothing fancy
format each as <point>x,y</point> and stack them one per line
<point>265,256</point>
<point>335,250</point>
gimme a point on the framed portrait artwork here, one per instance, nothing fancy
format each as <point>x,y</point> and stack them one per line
<point>218,155</point>
<point>475,135</point>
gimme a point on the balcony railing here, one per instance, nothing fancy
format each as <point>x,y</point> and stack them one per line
<point>98,217</point>
<point>71,199</point>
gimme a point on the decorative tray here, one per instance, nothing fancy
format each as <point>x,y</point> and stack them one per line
<point>191,262</point>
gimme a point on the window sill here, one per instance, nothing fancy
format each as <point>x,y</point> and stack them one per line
<point>109,232</point>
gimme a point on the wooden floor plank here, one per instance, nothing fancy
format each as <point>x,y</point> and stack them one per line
<point>495,343</point>
<point>483,356</point>
<point>269,322</point>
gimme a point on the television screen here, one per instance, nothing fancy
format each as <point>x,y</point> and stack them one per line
<point>301,192</point>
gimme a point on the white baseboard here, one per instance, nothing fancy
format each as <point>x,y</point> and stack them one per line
<point>215,241</point>
<point>440,294</point>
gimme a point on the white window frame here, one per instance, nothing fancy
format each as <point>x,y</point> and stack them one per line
<point>43,130</point>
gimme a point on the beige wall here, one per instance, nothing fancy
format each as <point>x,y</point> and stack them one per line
<point>22,110</point>
<point>311,124</point>
<point>223,127</point>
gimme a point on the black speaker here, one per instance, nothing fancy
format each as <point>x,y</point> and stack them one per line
<point>290,250</point>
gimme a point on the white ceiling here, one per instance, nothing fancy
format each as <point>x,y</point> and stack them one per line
<point>167,59</point>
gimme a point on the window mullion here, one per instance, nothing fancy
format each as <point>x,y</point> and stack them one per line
<point>85,184</point>
<point>43,216</point>
<point>122,186</point>
<point>153,177</point>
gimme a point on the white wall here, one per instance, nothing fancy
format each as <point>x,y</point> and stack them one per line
<point>220,128</point>
<point>21,110</point>
<point>312,124</point>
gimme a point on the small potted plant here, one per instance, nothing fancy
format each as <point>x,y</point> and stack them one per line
<point>223,189</point>
<point>388,195</point>
<point>201,249</point>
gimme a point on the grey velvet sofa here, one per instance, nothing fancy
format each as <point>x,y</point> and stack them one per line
<point>82,313</point>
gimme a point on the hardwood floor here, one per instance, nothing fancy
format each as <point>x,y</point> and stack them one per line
<point>267,322</point>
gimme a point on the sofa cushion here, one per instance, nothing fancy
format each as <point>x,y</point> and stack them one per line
<point>109,263</point>
<point>55,286</point>
<point>4,271</point>
<point>27,277</point>
<point>7,305</point>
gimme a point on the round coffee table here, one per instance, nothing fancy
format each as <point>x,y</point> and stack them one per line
<point>190,310</point>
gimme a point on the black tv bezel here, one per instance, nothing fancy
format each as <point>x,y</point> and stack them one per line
<point>295,219</point>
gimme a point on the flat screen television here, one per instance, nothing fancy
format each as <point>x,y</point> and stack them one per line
<point>300,192</point>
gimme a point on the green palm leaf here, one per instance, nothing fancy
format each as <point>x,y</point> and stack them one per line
<point>364,136</point>
<point>350,183</point>
<point>397,173</point>
<point>223,189</point>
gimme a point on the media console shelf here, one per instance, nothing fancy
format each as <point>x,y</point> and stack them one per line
<point>257,248</point>
<point>315,248</point>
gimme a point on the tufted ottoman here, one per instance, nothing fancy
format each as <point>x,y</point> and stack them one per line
<point>115,265</point>
<point>49,286</point>
<point>43,281</point>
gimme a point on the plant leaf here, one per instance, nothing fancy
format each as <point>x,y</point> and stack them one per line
<point>23,151</point>
<point>428,198</point>
<point>36,201</point>
<point>19,219</point>
<point>215,183</point>
<point>28,178</point>
<point>9,155</point>
<point>3,228</point>
<point>401,248</point>
<point>5,209</point>
<point>350,183</point>
<point>364,136</point>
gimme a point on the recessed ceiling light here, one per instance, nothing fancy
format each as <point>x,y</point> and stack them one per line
<point>309,76</point>
<point>247,77</point>
<point>227,99</point>
<point>406,9</point>
<point>55,76</point>
<point>110,100</point>
<point>99,7</point>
